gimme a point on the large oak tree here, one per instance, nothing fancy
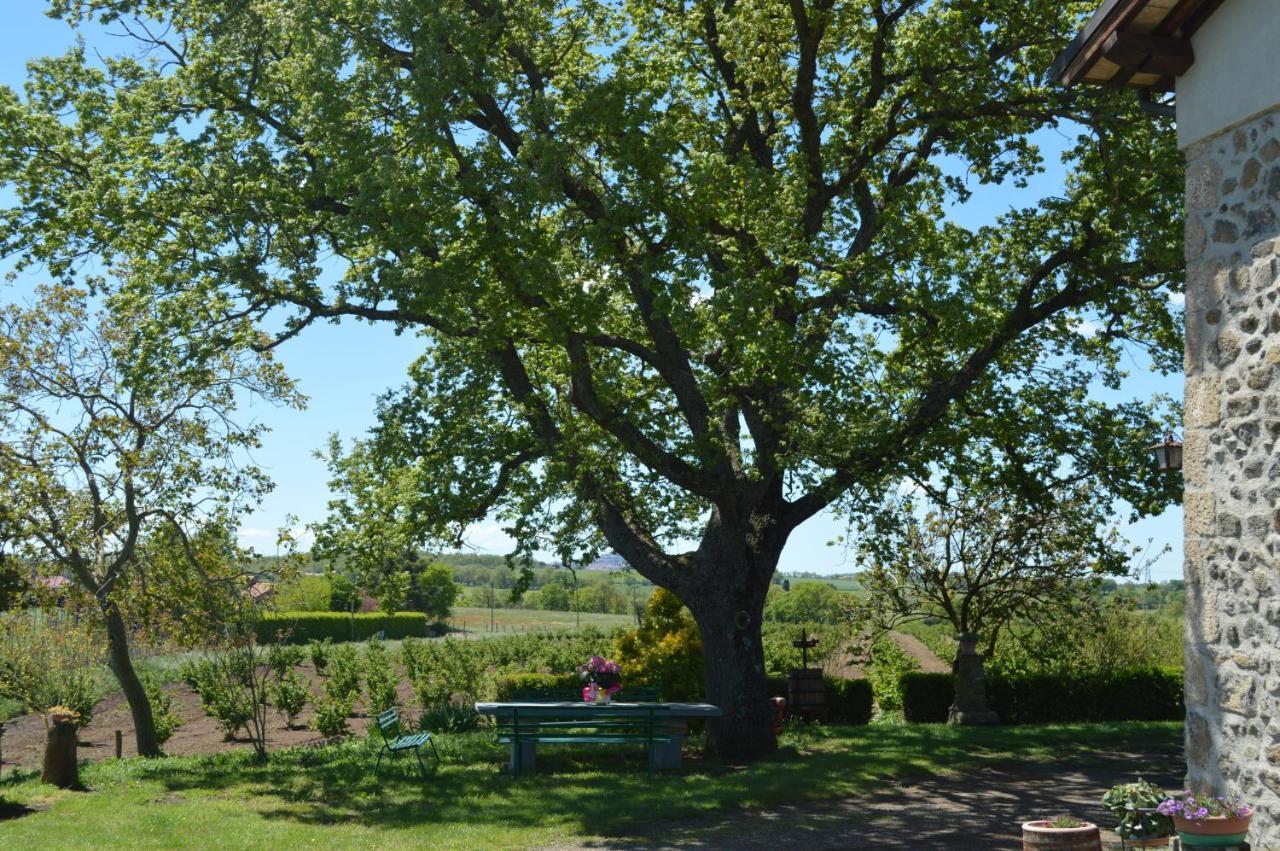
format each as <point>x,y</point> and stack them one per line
<point>683,269</point>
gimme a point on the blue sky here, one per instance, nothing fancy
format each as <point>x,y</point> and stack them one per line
<point>343,368</point>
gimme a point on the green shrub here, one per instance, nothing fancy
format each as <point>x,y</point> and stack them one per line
<point>331,716</point>
<point>848,701</point>
<point>926,698</point>
<point>343,679</point>
<point>1139,694</point>
<point>380,679</point>
<point>289,695</point>
<point>283,658</point>
<point>888,664</point>
<point>538,686</point>
<point>664,651</point>
<point>306,593</point>
<point>50,661</point>
<point>806,602</point>
<point>303,627</point>
<point>451,670</point>
<point>450,718</point>
<point>781,656</point>
<point>221,693</point>
<point>320,651</point>
<point>412,657</point>
<point>162,710</point>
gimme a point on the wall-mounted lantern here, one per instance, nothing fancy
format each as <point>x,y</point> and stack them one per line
<point>1168,455</point>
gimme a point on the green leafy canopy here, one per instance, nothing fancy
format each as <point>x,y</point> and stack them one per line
<point>683,270</point>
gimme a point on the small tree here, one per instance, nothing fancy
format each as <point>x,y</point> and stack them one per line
<point>117,445</point>
<point>434,591</point>
<point>983,558</point>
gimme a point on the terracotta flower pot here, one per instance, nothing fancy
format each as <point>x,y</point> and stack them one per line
<point>1217,830</point>
<point>1038,836</point>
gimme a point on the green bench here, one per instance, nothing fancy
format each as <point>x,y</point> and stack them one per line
<point>395,743</point>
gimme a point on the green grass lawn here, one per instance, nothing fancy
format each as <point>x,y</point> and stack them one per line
<point>508,621</point>
<point>328,798</point>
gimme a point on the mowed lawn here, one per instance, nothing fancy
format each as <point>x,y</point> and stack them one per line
<point>508,621</point>
<point>327,797</point>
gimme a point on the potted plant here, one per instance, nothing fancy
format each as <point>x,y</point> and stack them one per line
<point>1136,807</point>
<point>1065,833</point>
<point>1208,820</point>
<point>604,679</point>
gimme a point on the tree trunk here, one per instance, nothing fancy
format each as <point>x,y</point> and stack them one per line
<point>121,665</point>
<point>733,665</point>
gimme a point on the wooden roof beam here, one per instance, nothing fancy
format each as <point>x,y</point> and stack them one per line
<point>1149,54</point>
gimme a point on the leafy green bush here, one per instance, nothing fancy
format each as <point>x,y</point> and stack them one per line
<point>448,670</point>
<point>450,718</point>
<point>331,716</point>
<point>219,684</point>
<point>538,686</point>
<point>289,694</point>
<point>306,593</point>
<point>665,650</point>
<point>412,656</point>
<point>343,677</point>
<point>46,663</point>
<point>781,656</point>
<point>283,658</point>
<point>806,602</point>
<point>320,651</point>
<point>888,664</point>
<point>303,627</point>
<point>162,710</point>
<point>1138,694</point>
<point>926,698</point>
<point>380,678</point>
<point>848,701</point>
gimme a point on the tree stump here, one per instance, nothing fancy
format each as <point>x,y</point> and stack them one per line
<point>60,756</point>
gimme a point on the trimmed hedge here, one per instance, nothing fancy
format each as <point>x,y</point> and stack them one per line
<point>1140,694</point>
<point>302,627</point>
<point>1150,694</point>
<point>926,698</point>
<point>538,686</point>
<point>848,701</point>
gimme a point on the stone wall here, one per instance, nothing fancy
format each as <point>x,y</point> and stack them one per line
<point>1231,468</point>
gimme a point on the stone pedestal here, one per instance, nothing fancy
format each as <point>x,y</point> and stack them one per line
<point>970,706</point>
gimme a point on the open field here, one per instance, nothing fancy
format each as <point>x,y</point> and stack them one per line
<point>508,621</point>
<point>327,797</point>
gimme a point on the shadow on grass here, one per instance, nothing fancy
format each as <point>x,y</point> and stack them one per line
<point>573,787</point>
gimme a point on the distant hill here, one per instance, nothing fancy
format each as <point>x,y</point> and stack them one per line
<point>609,561</point>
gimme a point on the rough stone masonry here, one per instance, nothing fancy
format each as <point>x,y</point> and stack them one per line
<point>1231,467</point>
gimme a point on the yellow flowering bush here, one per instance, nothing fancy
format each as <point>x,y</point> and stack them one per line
<point>665,651</point>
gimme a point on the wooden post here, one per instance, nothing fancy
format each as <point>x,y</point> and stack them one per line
<point>119,744</point>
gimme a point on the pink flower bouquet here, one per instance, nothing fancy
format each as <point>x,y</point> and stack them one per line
<point>603,676</point>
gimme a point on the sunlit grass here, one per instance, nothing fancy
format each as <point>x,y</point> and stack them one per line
<point>328,797</point>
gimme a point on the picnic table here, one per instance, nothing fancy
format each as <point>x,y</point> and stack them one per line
<point>661,727</point>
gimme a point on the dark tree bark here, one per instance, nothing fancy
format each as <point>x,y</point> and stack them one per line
<point>144,726</point>
<point>735,566</point>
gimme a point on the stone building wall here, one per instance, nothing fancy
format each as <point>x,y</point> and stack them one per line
<point>1231,467</point>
